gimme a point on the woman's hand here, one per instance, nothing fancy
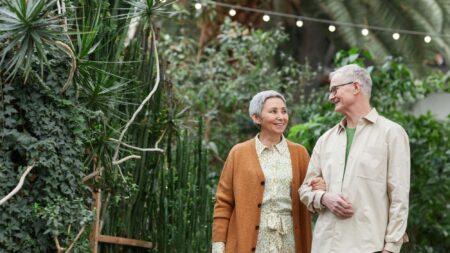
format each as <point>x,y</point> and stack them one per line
<point>318,183</point>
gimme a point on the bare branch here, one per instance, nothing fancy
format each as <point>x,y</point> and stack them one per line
<point>120,170</point>
<point>91,175</point>
<point>69,51</point>
<point>140,149</point>
<point>58,246</point>
<point>19,185</point>
<point>126,158</point>
<point>70,248</point>
<point>76,239</point>
<point>115,160</point>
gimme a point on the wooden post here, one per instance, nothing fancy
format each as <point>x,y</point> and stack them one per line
<point>97,196</point>
<point>96,235</point>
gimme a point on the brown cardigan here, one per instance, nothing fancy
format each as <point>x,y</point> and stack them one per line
<point>239,195</point>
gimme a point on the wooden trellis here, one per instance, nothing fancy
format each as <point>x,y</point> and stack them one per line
<point>97,237</point>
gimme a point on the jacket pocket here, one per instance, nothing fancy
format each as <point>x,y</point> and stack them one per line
<point>372,164</point>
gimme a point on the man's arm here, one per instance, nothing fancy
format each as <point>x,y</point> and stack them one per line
<point>398,183</point>
<point>317,199</point>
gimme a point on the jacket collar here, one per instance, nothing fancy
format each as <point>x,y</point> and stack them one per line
<point>370,118</point>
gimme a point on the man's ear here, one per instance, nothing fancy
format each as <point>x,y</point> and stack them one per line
<point>357,87</point>
<point>256,119</point>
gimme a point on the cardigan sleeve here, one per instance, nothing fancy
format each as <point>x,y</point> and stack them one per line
<point>303,163</point>
<point>224,201</point>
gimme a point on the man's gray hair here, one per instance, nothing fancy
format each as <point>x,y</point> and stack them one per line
<point>355,73</point>
<point>258,100</point>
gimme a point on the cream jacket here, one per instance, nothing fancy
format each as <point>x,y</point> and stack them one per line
<point>376,182</point>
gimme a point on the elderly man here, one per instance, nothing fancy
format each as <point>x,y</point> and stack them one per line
<point>365,161</point>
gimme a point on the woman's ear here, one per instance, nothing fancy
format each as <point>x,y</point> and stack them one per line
<point>256,119</point>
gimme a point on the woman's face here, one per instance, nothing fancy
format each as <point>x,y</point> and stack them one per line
<point>274,117</point>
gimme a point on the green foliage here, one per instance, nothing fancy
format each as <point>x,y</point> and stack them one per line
<point>427,16</point>
<point>26,28</point>
<point>217,82</point>
<point>185,198</point>
<point>151,9</point>
<point>394,91</point>
<point>69,136</point>
<point>154,198</point>
<point>429,220</point>
<point>40,127</point>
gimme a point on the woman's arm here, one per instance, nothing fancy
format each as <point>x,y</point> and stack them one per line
<point>224,201</point>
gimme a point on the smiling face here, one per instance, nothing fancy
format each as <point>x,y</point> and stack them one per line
<point>274,117</point>
<point>342,92</point>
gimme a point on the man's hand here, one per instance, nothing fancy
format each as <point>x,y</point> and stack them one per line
<point>318,183</point>
<point>337,204</point>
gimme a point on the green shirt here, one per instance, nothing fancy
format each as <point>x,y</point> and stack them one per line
<point>350,133</point>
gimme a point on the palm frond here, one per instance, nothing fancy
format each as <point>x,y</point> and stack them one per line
<point>29,26</point>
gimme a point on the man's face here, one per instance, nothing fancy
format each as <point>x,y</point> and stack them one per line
<point>341,92</point>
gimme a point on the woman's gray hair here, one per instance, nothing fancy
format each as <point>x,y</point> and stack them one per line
<point>258,100</point>
<point>356,73</point>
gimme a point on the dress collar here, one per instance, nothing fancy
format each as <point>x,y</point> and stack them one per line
<point>281,147</point>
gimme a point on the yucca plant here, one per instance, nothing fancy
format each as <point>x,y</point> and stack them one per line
<point>30,29</point>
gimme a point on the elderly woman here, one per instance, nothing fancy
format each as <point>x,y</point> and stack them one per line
<point>257,204</point>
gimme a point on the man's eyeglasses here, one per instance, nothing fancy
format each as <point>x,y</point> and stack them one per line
<point>334,89</point>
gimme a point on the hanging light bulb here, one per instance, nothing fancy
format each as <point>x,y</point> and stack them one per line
<point>331,28</point>
<point>299,23</point>
<point>198,6</point>
<point>396,36</point>
<point>365,32</point>
<point>427,39</point>
<point>266,18</point>
<point>232,12</point>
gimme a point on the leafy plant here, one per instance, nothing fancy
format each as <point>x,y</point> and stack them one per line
<point>27,28</point>
<point>217,81</point>
<point>40,127</point>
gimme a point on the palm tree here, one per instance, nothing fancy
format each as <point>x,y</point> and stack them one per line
<point>314,43</point>
<point>423,16</point>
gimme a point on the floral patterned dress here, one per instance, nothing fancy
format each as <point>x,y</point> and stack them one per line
<point>276,232</point>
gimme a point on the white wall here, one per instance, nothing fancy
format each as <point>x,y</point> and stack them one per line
<point>437,103</point>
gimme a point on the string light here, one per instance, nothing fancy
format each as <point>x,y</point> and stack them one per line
<point>396,36</point>
<point>198,6</point>
<point>299,23</point>
<point>331,28</point>
<point>266,18</point>
<point>427,39</point>
<point>232,12</point>
<point>365,32</point>
<point>328,21</point>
